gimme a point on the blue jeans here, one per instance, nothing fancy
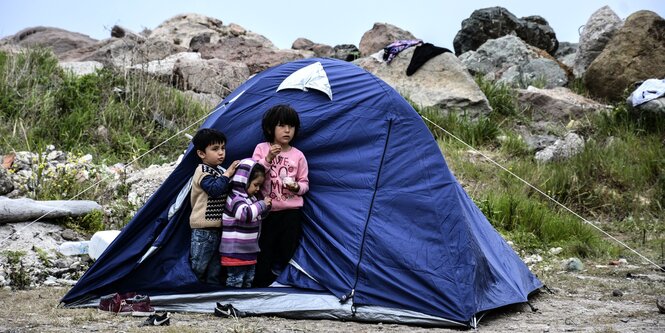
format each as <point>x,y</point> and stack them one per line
<point>240,276</point>
<point>204,255</point>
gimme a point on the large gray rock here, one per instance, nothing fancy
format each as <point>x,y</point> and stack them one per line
<point>597,32</point>
<point>558,105</point>
<point>494,22</point>
<point>380,36</point>
<point>635,53</point>
<point>509,60</point>
<point>442,81</point>
<point>163,68</point>
<point>562,149</point>
<point>218,77</point>
<point>22,210</point>
<point>59,40</point>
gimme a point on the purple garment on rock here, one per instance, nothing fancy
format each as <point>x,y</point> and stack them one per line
<point>394,48</point>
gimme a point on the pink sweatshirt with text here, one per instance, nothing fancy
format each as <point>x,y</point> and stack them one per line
<point>291,163</point>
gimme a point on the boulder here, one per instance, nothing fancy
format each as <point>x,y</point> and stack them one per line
<point>254,50</point>
<point>597,32</point>
<point>442,81</point>
<point>58,40</point>
<point>320,50</point>
<point>635,53</point>
<point>558,105</point>
<point>302,44</point>
<point>562,149</point>
<point>494,22</point>
<point>209,76</point>
<point>163,68</point>
<point>346,52</point>
<point>379,36</point>
<point>509,60</point>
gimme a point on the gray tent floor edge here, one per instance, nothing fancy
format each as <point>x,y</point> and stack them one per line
<point>292,304</point>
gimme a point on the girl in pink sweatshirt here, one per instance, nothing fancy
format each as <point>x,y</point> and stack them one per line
<point>286,183</point>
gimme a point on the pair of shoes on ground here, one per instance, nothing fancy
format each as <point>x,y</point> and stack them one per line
<point>158,319</point>
<point>126,304</point>
<point>225,310</point>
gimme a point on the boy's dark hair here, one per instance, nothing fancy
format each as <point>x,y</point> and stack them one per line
<point>206,137</point>
<point>257,171</point>
<point>279,114</point>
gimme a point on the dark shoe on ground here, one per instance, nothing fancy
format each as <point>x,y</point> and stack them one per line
<point>158,319</point>
<point>225,311</point>
<point>139,306</point>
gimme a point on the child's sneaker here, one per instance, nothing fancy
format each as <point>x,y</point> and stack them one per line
<point>113,302</point>
<point>157,319</point>
<point>226,310</point>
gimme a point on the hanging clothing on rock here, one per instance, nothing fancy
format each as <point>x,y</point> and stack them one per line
<point>422,54</point>
<point>394,48</point>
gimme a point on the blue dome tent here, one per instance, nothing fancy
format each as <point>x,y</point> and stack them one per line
<point>389,233</point>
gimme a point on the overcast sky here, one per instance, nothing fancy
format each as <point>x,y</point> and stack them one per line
<point>329,22</point>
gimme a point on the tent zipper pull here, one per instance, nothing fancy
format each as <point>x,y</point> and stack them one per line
<point>347,297</point>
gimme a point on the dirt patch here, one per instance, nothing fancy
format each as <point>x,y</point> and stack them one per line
<point>580,302</point>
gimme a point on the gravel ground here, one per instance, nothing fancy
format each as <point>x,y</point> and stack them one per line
<point>580,302</point>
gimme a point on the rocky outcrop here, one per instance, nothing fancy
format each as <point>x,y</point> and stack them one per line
<point>379,36</point>
<point>320,50</point>
<point>494,22</point>
<point>442,81</point>
<point>180,29</point>
<point>124,52</point>
<point>635,53</point>
<point>58,40</point>
<point>509,60</point>
<point>597,32</point>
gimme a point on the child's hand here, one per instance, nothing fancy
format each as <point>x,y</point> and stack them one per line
<point>293,187</point>
<point>267,201</point>
<point>232,169</point>
<point>274,151</point>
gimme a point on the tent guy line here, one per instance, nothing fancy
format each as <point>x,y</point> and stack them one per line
<point>544,194</point>
<point>18,231</point>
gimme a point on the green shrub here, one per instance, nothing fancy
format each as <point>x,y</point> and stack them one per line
<point>18,275</point>
<point>502,97</point>
<point>87,224</point>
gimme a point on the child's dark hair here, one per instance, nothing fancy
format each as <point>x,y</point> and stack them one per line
<point>257,171</point>
<point>279,114</point>
<point>206,137</point>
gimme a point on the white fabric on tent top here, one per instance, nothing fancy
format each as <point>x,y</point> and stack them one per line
<point>311,76</point>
